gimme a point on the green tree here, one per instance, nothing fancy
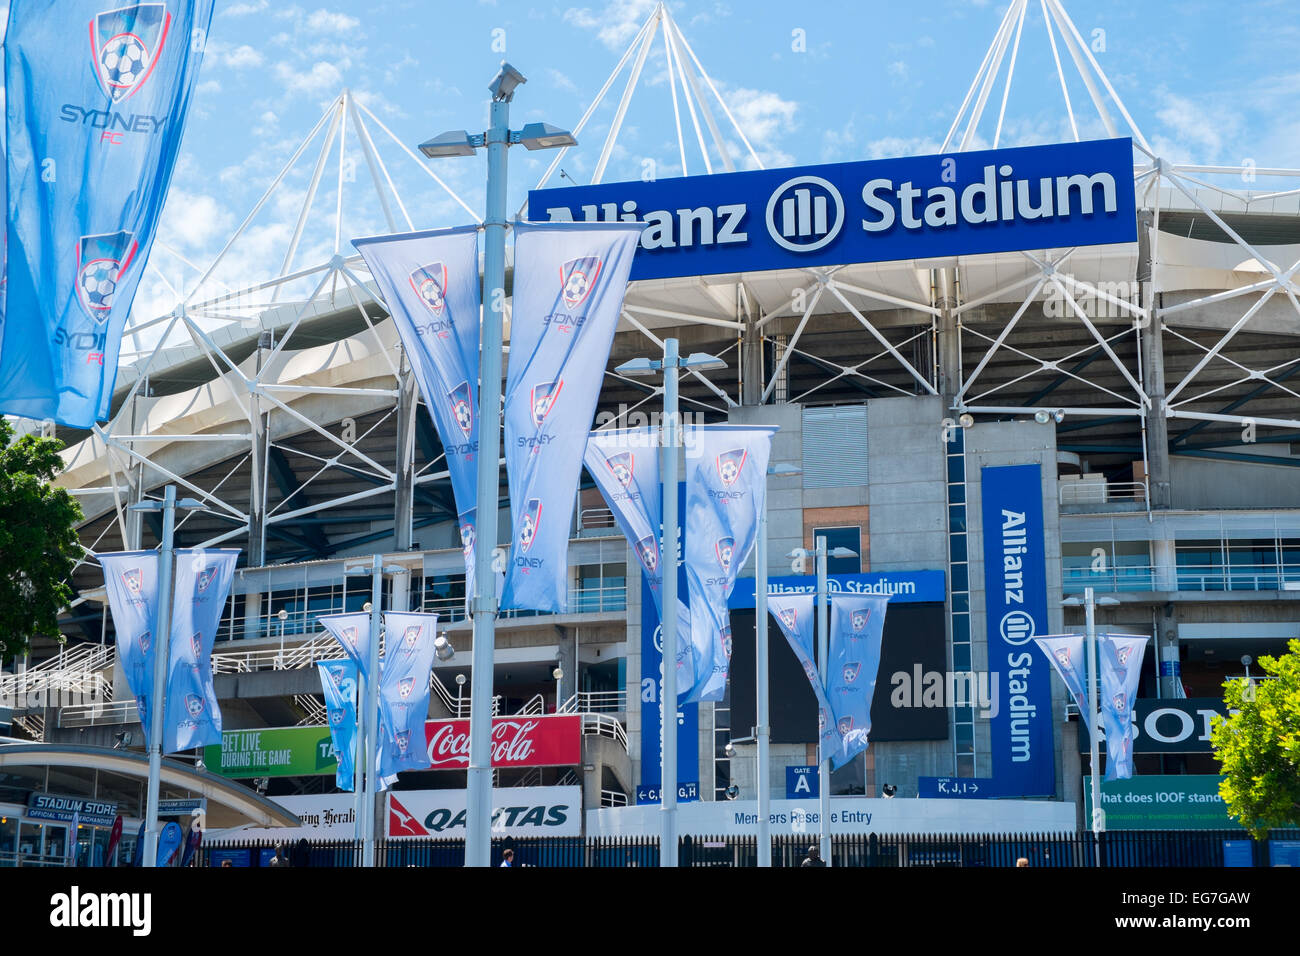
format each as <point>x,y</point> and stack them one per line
<point>38,540</point>
<point>1259,746</point>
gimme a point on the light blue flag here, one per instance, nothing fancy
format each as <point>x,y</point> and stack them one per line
<point>131,583</point>
<point>404,692</point>
<point>857,626</point>
<point>568,294</point>
<point>352,631</point>
<point>794,616</point>
<point>338,679</point>
<point>430,282</point>
<point>96,96</point>
<point>192,717</point>
<point>625,467</point>
<point>1067,652</point>
<point>1119,660</point>
<point>726,492</point>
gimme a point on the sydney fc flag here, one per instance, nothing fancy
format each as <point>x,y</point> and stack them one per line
<point>429,281</point>
<point>625,467</point>
<point>339,682</point>
<point>96,95</point>
<point>1066,652</point>
<point>857,626</point>
<point>726,490</point>
<point>191,717</point>
<point>404,691</point>
<point>203,581</point>
<point>1120,664</point>
<point>794,615</point>
<point>352,631</point>
<point>568,294</point>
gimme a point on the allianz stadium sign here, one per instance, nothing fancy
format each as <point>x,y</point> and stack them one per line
<point>918,207</point>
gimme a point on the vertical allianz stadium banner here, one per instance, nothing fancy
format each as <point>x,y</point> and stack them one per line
<point>404,691</point>
<point>795,616</point>
<point>430,283</point>
<point>1015,595</point>
<point>624,464</point>
<point>1119,659</point>
<point>131,583</point>
<point>203,579</point>
<point>352,631</point>
<point>338,680</point>
<point>857,623</point>
<point>1067,654</point>
<point>96,98</point>
<point>569,282</point>
<point>726,489</point>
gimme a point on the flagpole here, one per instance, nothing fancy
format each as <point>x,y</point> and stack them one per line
<point>1090,607</point>
<point>162,640</point>
<point>372,710</point>
<point>762,732</point>
<point>823,655</point>
<point>668,622</point>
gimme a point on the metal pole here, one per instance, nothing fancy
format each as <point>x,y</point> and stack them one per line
<point>372,710</point>
<point>823,654</point>
<point>157,702</point>
<point>1090,605</point>
<point>668,626</point>
<point>478,797</point>
<point>762,732</point>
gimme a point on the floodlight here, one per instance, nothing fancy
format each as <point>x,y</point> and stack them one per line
<point>456,142</point>
<point>545,136</point>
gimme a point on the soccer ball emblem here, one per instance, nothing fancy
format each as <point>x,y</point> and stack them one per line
<point>124,61</point>
<point>98,281</point>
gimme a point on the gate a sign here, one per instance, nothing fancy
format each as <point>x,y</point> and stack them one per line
<point>801,782</point>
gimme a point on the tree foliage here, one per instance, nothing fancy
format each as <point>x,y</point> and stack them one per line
<point>1259,746</point>
<point>38,540</point>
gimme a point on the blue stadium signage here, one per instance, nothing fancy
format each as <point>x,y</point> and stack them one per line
<point>918,207</point>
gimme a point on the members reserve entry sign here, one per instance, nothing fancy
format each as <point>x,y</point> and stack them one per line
<point>918,207</point>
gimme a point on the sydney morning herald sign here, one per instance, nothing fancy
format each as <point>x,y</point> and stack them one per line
<point>918,207</point>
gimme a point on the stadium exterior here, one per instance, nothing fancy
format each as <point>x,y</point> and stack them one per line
<point>1152,382</point>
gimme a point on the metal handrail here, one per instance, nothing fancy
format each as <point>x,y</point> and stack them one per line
<point>595,702</point>
<point>1099,492</point>
<point>603,725</point>
<point>90,715</point>
<point>613,798</point>
<point>316,712</point>
<point>1184,577</point>
<point>536,705</point>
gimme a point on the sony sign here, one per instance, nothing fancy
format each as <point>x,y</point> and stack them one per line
<point>1171,726</point>
<point>918,207</point>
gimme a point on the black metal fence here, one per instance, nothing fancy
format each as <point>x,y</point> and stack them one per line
<point>1126,848</point>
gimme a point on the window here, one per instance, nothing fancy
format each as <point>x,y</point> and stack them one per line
<point>850,538</point>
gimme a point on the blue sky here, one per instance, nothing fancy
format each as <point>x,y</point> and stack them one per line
<point>809,82</point>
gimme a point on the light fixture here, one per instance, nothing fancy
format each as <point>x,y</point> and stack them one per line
<point>842,553</point>
<point>283,615</point>
<point>888,790</point>
<point>456,142</point>
<point>1041,416</point>
<point>639,367</point>
<point>558,673</point>
<point>732,792</point>
<point>1247,660</point>
<point>729,751</point>
<point>366,607</point>
<point>506,82</point>
<point>1059,415</point>
<point>965,419</point>
<point>460,680</point>
<point>703,361</point>
<point>545,136</point>
<point>784,469</point>
<point>199,765</point>
<point>442,648</point>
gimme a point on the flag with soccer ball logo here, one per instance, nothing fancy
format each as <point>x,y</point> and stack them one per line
<point>726,492</point>
<point>857,623</point>
<point>430,283</point>
<point>1119,661</point>
<point>569,282</point>
<point>404,691</point>
<point>93,130</point>
<point>339,683</point>
<point>794,616</point>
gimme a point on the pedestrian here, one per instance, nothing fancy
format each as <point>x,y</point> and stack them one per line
<point>814,857</point>
<point>508,858</point>
<point>1022,861</point>
<point>279,859</point>
<point>226,863</point>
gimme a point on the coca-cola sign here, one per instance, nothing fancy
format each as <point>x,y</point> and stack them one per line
<point>554,741</point>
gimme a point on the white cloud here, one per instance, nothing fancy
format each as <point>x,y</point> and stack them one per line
<point>615,25</point>
<point>209,86</point>
<point>763,115</point>
<point>244,9</point>
<point>329,21</point>
<point>321,78</point>
<point>241,57</point>
<point>561,82</point>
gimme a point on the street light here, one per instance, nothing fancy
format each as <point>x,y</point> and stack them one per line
<point>558,674</point>
<point>1090,602</point>
<point>670,425</point>
<point>761,710</point>
<point>821,552</point>
<point>443,650</point>
<point>497,140</point>
<point>283,616</point>
<point>162,632</point>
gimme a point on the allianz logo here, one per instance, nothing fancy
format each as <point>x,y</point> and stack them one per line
<point>806,213</point>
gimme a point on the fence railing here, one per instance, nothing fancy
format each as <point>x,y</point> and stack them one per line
<point>90,715</point>
<point>1183,577</point>
<point>596,702</point>
<point>1119,849</point>
<point>1099,492</point>
<point>603,725</point>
